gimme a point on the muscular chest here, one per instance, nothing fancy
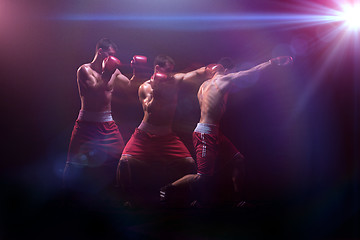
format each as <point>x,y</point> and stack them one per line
<point>165,93</point>
<point>103,86</point>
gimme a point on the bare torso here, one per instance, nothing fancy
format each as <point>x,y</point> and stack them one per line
<point>95,93</point>
<point>213,93</point>
<point>212,96</point>
<point>159,103</point>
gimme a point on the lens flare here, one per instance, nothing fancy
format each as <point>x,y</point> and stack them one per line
<point>351,16</point>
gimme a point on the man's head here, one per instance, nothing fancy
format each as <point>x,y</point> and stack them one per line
<point>227,63</point>
<point>105,47</point>
<point>164,64</point>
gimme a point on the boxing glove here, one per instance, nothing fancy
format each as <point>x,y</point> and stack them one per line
<point>110,64</point>
<point>159,77</point>
<point>214,68</point>
<point>138,61</point>
<point>282,60</point>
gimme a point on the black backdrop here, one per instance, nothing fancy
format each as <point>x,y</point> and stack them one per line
<point>297,127</point>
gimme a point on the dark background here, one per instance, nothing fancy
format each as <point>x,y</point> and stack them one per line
<point>298,127</point>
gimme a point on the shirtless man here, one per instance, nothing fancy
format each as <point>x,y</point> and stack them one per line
<point>218,160</point>
<point>96,143</point>
<point>154,155</point>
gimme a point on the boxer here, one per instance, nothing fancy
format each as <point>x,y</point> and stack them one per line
<point>217,158</point>
<point>154,155</point>
<point>96,143</point>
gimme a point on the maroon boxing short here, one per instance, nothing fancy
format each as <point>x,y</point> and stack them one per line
<point>144,145</point>
<point>95,144</point>
<point>213,149</point>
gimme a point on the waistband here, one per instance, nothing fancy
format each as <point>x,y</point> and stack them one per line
<point>95,116</point>
<point>207,128</point>
<point>155,130</point>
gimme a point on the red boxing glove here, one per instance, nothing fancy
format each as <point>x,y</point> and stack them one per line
<point>159,77</point>
<point>282,60</point>
<point>138,60</point>
<point>214,68</point>
<point>110,64</point>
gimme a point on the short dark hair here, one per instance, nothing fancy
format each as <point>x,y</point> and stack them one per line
<point>106,44</point>
<point>162,60</point>
<point>227,63</point>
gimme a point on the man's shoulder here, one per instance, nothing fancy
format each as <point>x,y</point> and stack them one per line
<point>205,83</point>
<point>85,69</point>
<point>178,77</point>
<point>145,85</point>
<point>85,72</point>
<point>85,66</point>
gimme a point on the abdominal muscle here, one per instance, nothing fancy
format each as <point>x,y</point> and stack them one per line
<point>96,101</point>
<point>162,112</point>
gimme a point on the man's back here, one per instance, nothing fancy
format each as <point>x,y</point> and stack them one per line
<point>212,97</point>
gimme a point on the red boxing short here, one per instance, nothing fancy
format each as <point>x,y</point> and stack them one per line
<point>143,146</point>
<point>213,151</point>
<point>95,144</point>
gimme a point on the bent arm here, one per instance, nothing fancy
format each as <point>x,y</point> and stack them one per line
<point>137,79</point>
<point>119,79</point>
<point>140,75</point>
<point>145,96</point>
<point>86,79</point>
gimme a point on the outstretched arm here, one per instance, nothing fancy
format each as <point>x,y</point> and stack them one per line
<point>195,77</point>
<point>244,75</point>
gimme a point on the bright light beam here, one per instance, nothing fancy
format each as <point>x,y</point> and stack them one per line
<point>308,14</point>
<point>351,16</point>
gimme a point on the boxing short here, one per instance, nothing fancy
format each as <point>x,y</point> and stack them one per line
<point>95,141</point>
<point>144,146</point>
<point>213,149</point>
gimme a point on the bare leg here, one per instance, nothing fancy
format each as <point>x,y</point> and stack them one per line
<point>186,181</point>
<point>181,192</point>
<point>238,176</point>
<point>139,181</point>
<point>123,179</point>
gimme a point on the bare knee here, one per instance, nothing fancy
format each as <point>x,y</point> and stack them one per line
<point>122,171</point>
<point>189,161</point>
